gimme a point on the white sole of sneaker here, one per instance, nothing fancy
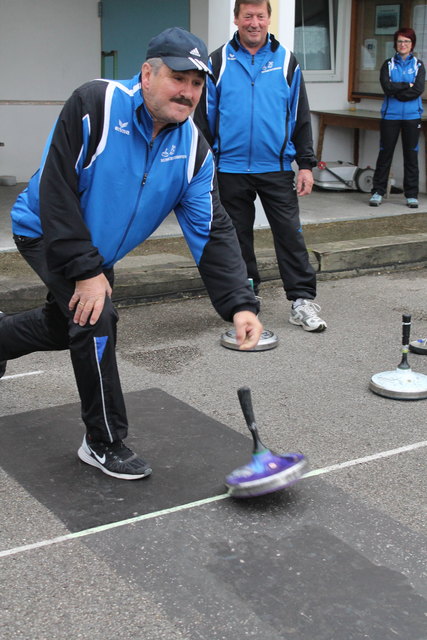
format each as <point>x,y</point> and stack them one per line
<point>86,457</point>
<point>319,329</point>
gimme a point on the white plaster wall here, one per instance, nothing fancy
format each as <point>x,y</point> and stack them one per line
<point>212,20</point>
<point>221,25</point>
<point>199,19</point>
<point>286,20</point>
<point>47,48</point>
<point>24,138</point>
<point>338,143</point>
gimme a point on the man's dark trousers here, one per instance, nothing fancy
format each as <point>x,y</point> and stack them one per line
<point>92,348</point>
<point>278,196</point>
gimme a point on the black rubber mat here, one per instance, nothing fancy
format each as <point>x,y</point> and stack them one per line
<point>190,454</point>
<point>314,563</point>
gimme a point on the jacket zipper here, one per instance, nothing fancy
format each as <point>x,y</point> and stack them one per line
<point>251,128</point>
<point>132,218</point>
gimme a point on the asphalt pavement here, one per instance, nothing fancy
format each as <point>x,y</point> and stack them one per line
<point>340,556</point>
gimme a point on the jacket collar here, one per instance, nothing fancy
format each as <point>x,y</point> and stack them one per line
<point>399,58</point>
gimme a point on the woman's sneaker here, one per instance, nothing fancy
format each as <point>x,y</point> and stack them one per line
<point>375,200</point>
<point>114,459</point>
<point>412,203</point>
<point>305,315</point>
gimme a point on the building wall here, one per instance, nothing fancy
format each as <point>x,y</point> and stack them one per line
<point>332,95</point>
<point>47,48</point>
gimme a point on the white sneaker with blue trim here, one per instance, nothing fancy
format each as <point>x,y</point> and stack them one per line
<point>305,315</point>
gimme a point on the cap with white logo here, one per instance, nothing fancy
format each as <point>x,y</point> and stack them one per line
<point>180,50</point>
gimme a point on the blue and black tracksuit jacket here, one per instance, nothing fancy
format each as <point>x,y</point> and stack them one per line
<point>105,185</point>
<point>256,114</point>
<point>402,102</point>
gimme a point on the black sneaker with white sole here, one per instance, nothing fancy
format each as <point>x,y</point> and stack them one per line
<point>114,459</point>
<point>3,363</point>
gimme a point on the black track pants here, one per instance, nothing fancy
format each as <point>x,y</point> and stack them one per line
<point>280,202</point>
<point>389,134</point>
<point>92,348</point>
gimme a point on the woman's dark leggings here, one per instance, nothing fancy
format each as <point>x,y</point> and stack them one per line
<point>389,133</point>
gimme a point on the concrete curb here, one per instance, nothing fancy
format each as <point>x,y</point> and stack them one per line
<point>163,269</point>
<point>145,284</point>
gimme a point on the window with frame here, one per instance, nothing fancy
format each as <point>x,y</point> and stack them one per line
<point>374,23</point>
<point>315,38</point>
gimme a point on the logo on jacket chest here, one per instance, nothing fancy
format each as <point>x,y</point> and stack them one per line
<point>269,66</point>
<point>121,128</point>
<point>169,154</point>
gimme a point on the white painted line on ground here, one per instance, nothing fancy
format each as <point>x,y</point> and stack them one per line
<point>22,375</point>
<point>198,503</point>
<point>111,525</point>
<point>375,456</point>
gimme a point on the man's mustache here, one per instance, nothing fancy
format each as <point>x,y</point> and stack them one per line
<point>184,101</point>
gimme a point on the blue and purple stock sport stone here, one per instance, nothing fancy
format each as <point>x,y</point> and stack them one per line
<point>265,473</point>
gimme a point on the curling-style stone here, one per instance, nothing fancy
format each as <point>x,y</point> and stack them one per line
<point>266,472</point>
<point>268,340</point>
<point>402,383</point>
<point>419,346</point>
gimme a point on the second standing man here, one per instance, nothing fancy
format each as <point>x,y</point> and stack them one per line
<point>256,117</point>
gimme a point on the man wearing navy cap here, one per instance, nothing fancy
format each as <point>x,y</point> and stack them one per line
<point>121,156</point>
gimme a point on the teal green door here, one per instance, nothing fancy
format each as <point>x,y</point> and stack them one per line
<point>128,25</point>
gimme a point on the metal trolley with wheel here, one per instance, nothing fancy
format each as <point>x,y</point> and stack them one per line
<point>340,175</point>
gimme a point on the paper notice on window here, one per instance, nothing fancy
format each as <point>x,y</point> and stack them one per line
<point>369,54</point>
<point>389,49</point>
<point>419,22</point>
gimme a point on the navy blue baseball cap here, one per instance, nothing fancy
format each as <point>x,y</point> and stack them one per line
<point>180,50</point>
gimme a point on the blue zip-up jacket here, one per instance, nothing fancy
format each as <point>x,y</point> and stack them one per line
<point>402,102</point>
<point>105,185</point>
<point>256,115</point>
